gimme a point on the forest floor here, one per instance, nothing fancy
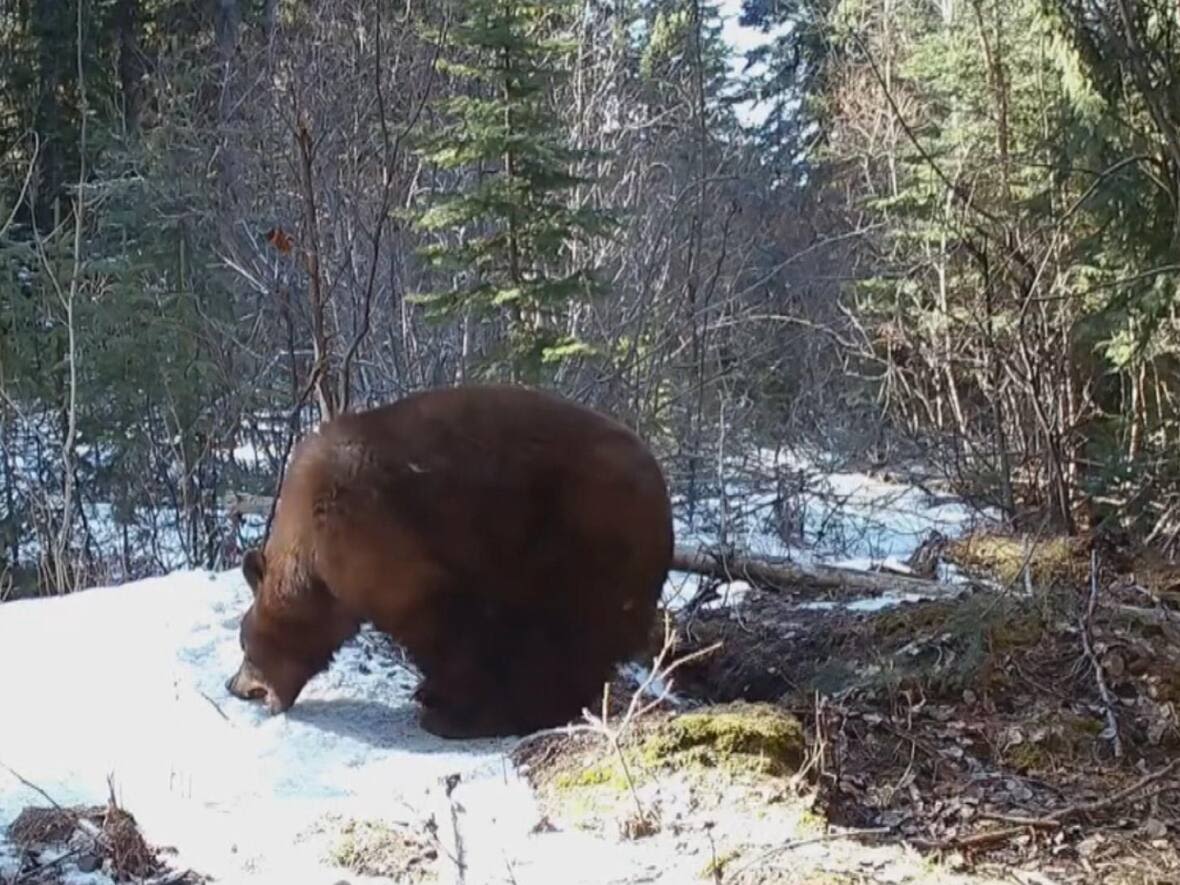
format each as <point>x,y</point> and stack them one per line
<point>1021,727</point>
<point>971,735</point>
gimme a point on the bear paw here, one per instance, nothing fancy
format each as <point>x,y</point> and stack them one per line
<point>453,724</point>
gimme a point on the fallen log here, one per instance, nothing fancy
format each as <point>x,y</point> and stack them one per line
<point>790,575</point>
<point>239,504</point>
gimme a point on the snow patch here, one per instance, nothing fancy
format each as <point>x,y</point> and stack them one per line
<point>129,681</point>
<point>846,519</point>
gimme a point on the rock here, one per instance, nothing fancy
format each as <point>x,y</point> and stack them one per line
<point>1155,829</point>
<point>89,863</point>
<point>1114,664</point>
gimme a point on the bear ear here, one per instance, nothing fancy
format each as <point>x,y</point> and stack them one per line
<point>254,567</point>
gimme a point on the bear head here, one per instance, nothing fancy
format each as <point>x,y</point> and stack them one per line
<point>288,634</point>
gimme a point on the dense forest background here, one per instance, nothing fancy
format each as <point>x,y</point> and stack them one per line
<point>944,233</point>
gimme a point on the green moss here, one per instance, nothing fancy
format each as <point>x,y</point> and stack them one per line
<point>372,848</point>
<point>1019,630</point>
<point>738,737</point>
<point>715,868</point>
<point>1086,726</point>
<point>607,773</point>
<point>912,641</point>
<point>1026,757</point>
<point>1053,739</point>
<point>905,622</point>
<point>355,846</point>
<point>810,821</point>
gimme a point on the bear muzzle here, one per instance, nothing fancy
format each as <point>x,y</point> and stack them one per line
<point>249,685</point>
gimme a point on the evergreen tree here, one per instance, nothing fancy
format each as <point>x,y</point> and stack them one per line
<point>517,254</point>
<point>785,75</point>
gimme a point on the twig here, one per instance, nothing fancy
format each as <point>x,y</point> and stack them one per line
<point>214,705</point>
<point>1023,821</point>
<point>169,878</point>
<point>32,786</point>
<point>1146,615</point>
<point>430,825</point>
<point>658,671</point>
<point>460,849</point>
<point>799,843</point>
<point>1054,819</point>
<point>1112,723</point>
<point>612,736</point>
<point>600,724</point>
<point>816,756</point>
<point>976,840</point>
<point>82,823</point>
<point>590,723</point>
<point>1116,798</point>
<point>37,872</point>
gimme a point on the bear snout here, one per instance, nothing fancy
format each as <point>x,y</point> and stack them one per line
<point>248,684</point>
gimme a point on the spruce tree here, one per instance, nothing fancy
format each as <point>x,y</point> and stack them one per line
<point>516,245</point>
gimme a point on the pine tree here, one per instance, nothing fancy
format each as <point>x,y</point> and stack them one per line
<point>517,241</point>
<point>784,76</point>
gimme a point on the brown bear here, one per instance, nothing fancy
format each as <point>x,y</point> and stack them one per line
<point>514,543</point>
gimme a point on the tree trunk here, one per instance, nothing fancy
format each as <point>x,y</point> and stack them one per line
<point>131,65</point>
<point>227,18</point>
<point>270,21</point>
<point>52,28</point>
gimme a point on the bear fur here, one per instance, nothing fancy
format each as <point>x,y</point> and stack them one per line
<point>515,544</point>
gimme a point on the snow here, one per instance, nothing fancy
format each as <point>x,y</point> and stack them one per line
<point>128,682</point>
<point>742,40</point>
<point>846,518</point>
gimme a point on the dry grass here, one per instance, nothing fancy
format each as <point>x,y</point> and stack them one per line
<point>1050,561</point>
<point>49,826</point>
<point>108,837</point>
<point>130,857</point>
<point>375,848</point>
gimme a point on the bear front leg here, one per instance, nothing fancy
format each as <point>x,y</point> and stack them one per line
<point>460,696</point>
<point>464,724</point>
<point>460,705</point>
